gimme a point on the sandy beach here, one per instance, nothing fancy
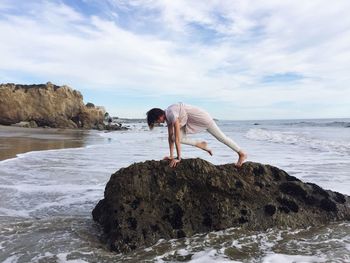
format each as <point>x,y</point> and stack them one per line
<point>16,140</point>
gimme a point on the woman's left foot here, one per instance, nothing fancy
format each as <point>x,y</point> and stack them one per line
<point>203,145</point>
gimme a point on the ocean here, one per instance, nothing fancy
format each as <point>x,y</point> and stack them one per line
<point>47,196</point>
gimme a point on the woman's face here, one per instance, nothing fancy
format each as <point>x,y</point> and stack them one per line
<point>161,119</point>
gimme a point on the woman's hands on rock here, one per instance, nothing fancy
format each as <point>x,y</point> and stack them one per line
<point>173,161</point>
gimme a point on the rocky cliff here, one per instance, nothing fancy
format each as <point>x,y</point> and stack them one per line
<point>47,105</point>
<point>149,201</point>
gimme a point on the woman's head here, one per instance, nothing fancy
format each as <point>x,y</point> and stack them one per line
<point>155,115</point>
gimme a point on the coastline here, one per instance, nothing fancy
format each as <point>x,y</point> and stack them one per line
<point>17,140</point>
<point>46,195</point>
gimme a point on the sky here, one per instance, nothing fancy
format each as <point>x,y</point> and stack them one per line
<point>237,59</point>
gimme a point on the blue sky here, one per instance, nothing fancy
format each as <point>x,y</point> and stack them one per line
<point>240,59</point>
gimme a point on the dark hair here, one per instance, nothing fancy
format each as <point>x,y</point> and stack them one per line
<point>153,115</point>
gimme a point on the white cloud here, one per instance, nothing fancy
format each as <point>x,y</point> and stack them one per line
<point>245,41</point>
<point>5,5</point>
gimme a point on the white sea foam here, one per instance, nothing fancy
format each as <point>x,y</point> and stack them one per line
<point>37,154</point>
<point>208,256</point>
<point>13,212</point>
<point>298,138</point>
<point>12,259</point>
<point>63,258</point>
<point>278,258</point>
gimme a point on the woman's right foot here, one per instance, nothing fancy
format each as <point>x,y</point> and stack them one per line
<point>242,157</point>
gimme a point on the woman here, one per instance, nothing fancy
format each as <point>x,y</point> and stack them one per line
<point>183,119</point>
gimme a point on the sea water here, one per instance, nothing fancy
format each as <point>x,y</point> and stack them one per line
<point>47,197</point>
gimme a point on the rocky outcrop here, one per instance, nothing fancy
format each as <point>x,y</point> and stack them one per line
<point>47,105</point>
<point>149,201</point>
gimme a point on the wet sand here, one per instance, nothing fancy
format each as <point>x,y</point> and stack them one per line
<point>15,140</point>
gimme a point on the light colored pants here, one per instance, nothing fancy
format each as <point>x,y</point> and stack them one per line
<point>216,132</point>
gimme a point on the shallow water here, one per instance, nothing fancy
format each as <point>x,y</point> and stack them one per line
<point>47,196</point>
<point>14,140</point>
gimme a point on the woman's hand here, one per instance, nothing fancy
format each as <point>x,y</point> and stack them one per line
<point>174,162</point>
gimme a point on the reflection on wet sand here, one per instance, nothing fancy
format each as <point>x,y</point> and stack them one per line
<point>14,140</point>
<point>10,147</point>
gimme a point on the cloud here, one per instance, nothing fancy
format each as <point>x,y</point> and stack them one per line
<point>253,55</point>
<point>281,78</point>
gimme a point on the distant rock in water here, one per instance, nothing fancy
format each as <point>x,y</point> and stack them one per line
<point>149,201</point>
<point>47,105</point>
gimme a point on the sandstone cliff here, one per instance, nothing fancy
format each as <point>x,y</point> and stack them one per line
<point>149,201</point>
<point>47,105</point>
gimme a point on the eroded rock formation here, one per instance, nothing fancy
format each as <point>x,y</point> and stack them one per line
<point>47,105</point>
<point>149,201</point>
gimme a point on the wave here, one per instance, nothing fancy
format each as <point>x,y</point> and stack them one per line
<point>294,138</point>
<point>323,123</point>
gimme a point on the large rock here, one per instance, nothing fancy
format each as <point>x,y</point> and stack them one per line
<point>47,105</point>
<point>149,201</point>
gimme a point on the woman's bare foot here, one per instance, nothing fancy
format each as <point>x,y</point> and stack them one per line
<point>242,157</point>
<point>203,145</point>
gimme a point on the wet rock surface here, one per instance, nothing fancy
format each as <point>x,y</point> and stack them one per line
<point>149,201</point>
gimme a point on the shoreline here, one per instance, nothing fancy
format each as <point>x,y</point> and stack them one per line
<point>18,140</point>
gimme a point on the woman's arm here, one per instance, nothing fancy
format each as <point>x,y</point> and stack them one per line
<point>177,139</point>
<point>171,141</point>
<point>176,129</point>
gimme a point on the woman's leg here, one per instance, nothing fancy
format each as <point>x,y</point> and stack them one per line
<point>200,144</point>
<point>221,137</point>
